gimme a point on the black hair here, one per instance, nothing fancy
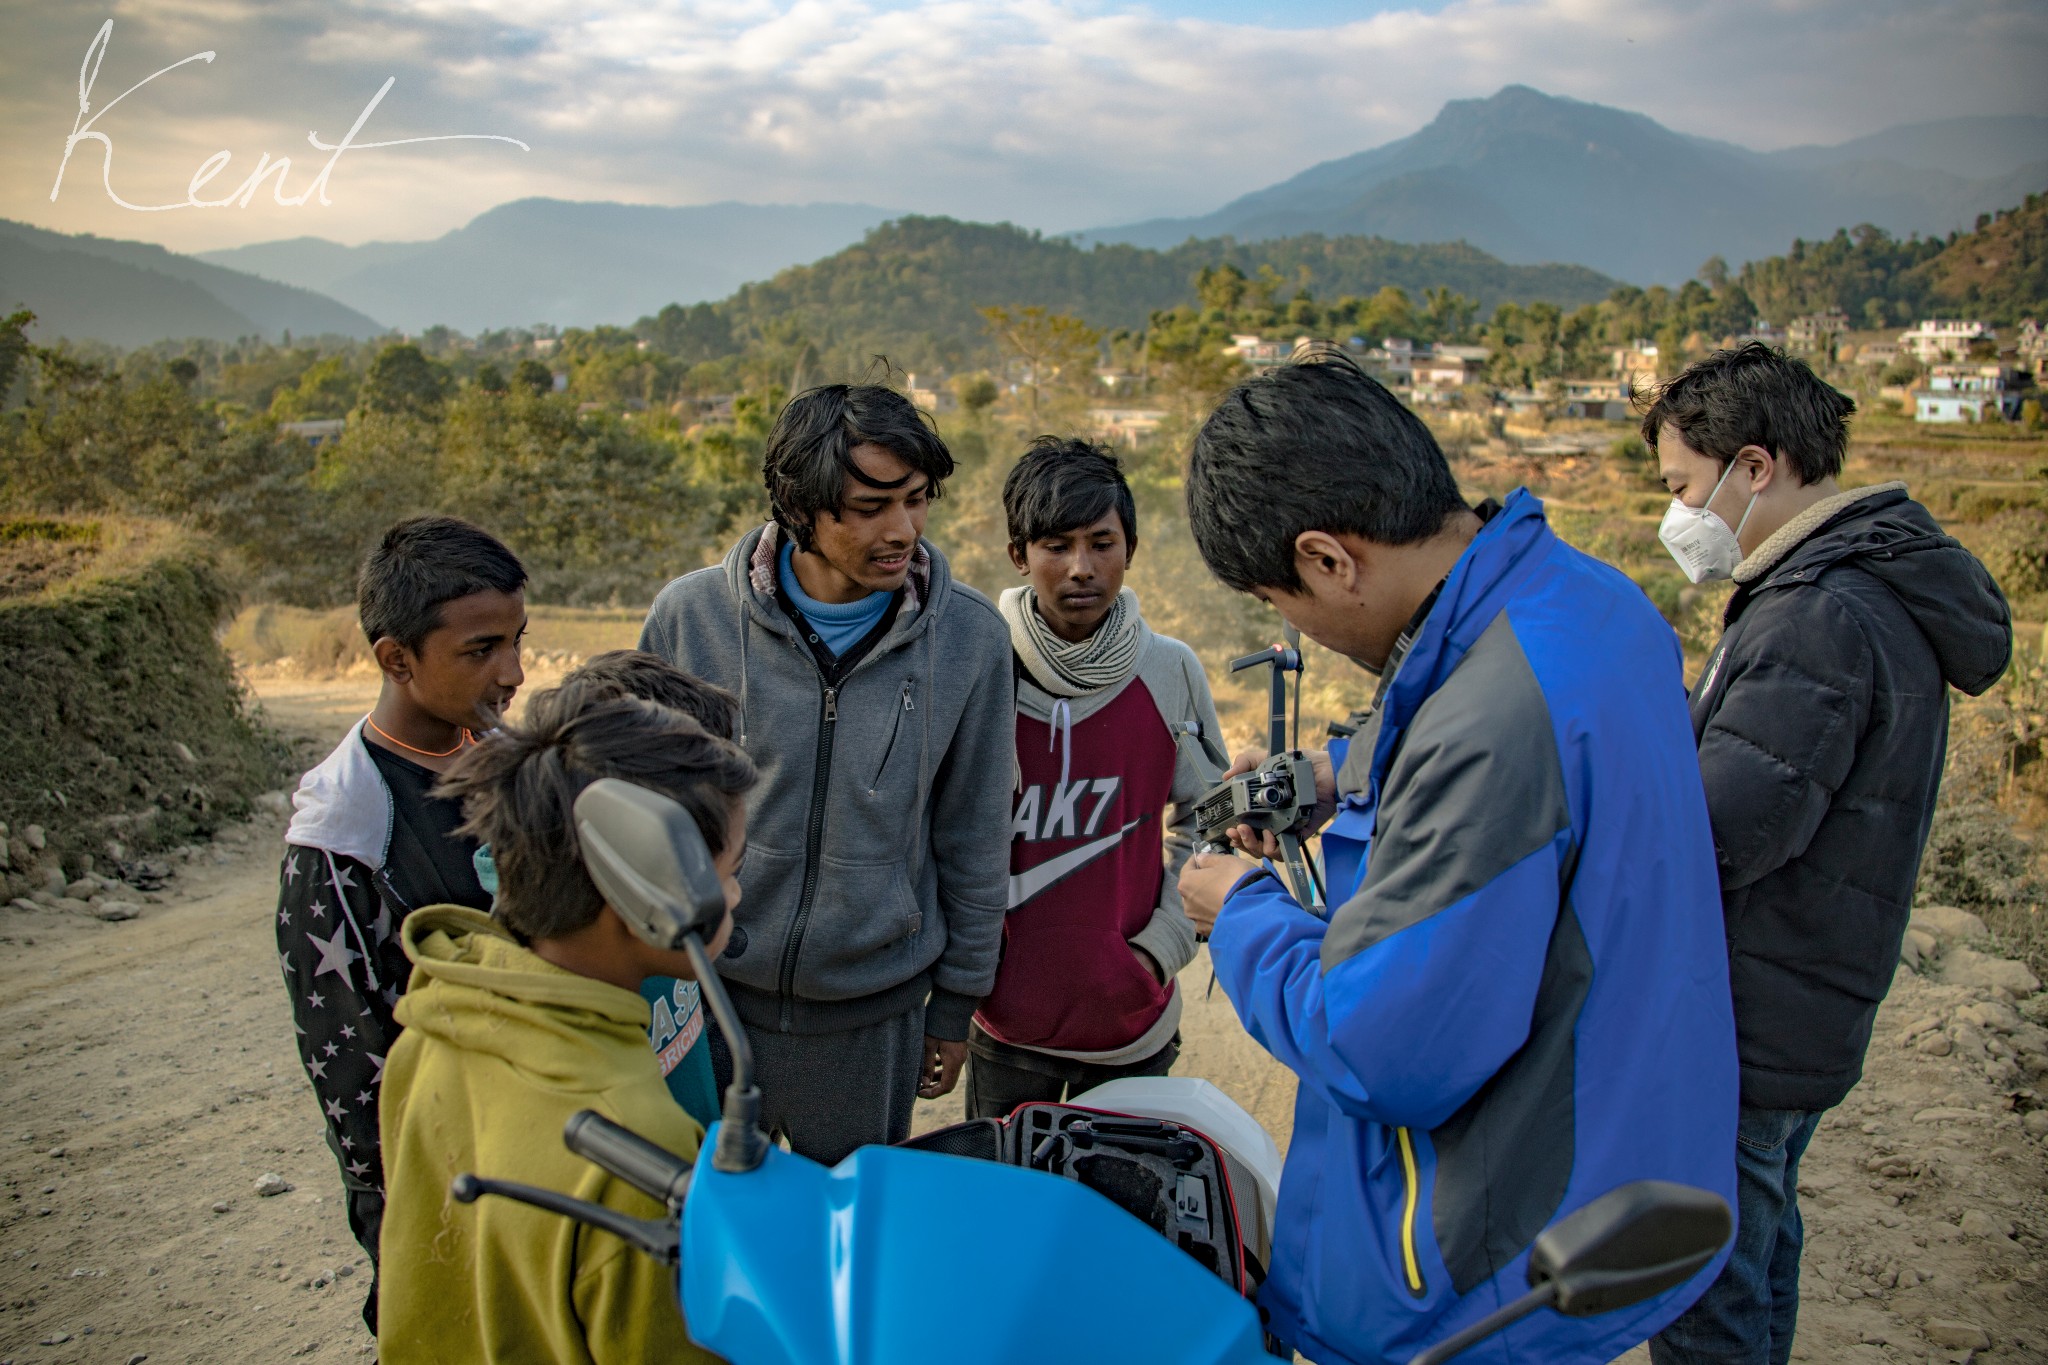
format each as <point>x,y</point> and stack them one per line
<point>810,451</point>
<point>518,788</point>
<point>1060,486</point>
<point>636,673</point>
<point>1318,445</point>
<point>422,563</point>
<point>1755,396</point>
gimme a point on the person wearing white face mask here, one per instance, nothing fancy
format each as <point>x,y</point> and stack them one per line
<point>1822,721</point>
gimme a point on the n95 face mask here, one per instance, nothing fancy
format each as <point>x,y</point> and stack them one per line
<point>1699,540</point>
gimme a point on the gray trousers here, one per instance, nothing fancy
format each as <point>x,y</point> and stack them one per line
<point>828,1093</point>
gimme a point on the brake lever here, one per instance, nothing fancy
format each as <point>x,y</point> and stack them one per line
<point>662,1241</point>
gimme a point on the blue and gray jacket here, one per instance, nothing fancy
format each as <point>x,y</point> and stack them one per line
<point>1520,999</point>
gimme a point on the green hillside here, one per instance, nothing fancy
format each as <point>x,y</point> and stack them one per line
<point>911,288</point>
<point>1998,273</point>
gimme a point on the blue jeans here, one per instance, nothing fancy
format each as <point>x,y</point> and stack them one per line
<point>1746,1316</point>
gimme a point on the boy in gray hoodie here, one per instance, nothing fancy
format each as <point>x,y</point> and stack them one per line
<point>875,699</point>
<point>1117,738</point>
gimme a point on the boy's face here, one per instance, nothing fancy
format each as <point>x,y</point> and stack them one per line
<point>867,544</point>
<point>467,669</point>
<point>1077,574</point>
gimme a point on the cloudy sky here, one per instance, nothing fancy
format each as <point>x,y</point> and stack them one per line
<point>1056,114</point>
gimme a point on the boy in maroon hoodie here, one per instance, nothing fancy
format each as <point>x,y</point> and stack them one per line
<point>1117,738</point>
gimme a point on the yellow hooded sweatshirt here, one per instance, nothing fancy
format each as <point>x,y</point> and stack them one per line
<point>499,1049</point>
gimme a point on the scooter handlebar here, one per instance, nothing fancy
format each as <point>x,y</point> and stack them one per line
<point>628,1156</point>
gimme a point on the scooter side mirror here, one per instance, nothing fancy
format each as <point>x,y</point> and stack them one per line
<point>1628,1245</point>
<point>651,865</point>
<point>649,861</point>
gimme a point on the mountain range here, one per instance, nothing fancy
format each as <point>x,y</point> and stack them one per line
<point>1586,193</point>
<point>1535,177</point>
<point>132,293</point>
<point>552,260</point>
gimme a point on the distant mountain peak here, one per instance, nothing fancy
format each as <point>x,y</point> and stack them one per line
<point>1531,176</point>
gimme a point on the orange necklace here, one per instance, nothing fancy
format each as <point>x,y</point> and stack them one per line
<point>468,737</point>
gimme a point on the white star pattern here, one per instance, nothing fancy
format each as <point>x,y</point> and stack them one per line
<point>315,1000</point>
<point>291,867</point>
<point>364,1097</point>
<point>334,1109</point>
<point>358,1169</point>
<point>347,1031</point>
<point>319,910</point>
<point>330,1049</point>
<point>391,996</point>
<point>382,928</point>
<point>377,1062</point>
<point>317,1069</point>
<point>344,880</point>
<point>283,917</point>
<point>335,954</point>
<point>348,1144</point>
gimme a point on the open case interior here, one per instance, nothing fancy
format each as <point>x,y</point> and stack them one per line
<point>1164,1174</point>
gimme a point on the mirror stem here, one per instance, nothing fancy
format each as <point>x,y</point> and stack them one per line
<point>741,1144</point>
<point>1539,1297</point>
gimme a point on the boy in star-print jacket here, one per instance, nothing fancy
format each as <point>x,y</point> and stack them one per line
<point>443,605</point>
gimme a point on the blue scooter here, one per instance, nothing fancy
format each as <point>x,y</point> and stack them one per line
<point>785,1262</point>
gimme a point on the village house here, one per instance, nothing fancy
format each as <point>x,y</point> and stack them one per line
<point>1125,426</point>
<point>1816,331</point>
<point>1968,393</point>
<point>1636,363</point>
<point>317,433</point>
<point>1256,351</point>
<point>931,395</point>
<point>2030,349</point>
<point>1943,339</point>
<point>1877,353</point>
<point>1600,400</point>
<point>1760,329</point>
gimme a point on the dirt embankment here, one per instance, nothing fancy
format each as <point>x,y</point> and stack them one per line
<point>152,1081</point>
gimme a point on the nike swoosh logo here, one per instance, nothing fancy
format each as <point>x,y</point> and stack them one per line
<point>1032,880</point>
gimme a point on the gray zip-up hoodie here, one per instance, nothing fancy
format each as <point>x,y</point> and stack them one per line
<point>878,839</point>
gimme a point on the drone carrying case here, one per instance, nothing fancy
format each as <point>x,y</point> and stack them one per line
<point>1164,1174</point>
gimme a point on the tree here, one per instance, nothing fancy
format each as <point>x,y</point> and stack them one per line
<point>534,377</point>
<point>403,382</point>
<point>975,391</point>
<point>14,345</point>
<point>1054,348</point>
<point>327,389</point>
<point>1220,287</point>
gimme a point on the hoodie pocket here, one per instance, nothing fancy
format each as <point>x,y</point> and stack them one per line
<point>906,714</point>
<point>863,925</point>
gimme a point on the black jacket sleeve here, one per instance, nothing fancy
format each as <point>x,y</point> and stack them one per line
<point>333,940</point>
<point>1793,699</point>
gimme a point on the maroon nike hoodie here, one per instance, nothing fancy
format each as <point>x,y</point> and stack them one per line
<point>1102,820</point>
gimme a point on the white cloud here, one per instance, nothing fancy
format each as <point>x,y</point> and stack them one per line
<point>1054,113</point>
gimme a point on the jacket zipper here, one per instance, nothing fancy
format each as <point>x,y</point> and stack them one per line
<point>1411,1268</point>
<point>890,751</point>
<point>813,841</point>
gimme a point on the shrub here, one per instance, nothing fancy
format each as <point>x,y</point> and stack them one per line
<point>2016,551</point>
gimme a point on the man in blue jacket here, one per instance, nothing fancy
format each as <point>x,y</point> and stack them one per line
<point>1519,999</point>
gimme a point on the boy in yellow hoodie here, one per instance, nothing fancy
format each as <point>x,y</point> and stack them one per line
<point>515,1021</point>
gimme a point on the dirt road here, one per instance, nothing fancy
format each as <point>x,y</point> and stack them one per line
<point>150,1080</point>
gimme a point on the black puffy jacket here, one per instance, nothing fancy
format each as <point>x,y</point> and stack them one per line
<point>1822,720</point>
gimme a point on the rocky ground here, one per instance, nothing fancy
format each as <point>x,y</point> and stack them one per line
<point>169,1197</point>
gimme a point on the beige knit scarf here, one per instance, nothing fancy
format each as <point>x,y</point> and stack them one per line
<point>1065,668</point>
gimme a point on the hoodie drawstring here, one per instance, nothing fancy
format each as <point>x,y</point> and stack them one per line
<point>1062,727</point>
